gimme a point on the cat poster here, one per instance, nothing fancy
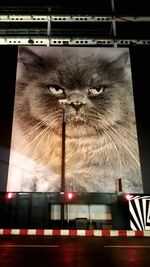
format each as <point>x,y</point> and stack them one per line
<point>92,88</point>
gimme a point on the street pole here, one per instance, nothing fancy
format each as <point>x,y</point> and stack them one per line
<point>63,163</point>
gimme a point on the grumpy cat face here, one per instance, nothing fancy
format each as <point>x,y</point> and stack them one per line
<point>95,93</point>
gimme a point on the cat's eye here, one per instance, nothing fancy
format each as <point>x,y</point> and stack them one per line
<point>96,91</point>
<point>55,90</point>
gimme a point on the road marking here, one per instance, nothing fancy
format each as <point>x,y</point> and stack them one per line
<point>127,246</point>
<point>29,246</point>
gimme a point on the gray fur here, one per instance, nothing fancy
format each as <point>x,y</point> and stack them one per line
<point>101,138</point>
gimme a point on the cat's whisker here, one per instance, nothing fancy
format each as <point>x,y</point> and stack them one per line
<point>32,130</point>
<point>119,138</point>
<point>51,125</point>
<point>124,130</point>
<point>27,147</point>
<point>123,138</point>
<point>42,138</point>
<point>118,154</point>
<point>30,135</point>
<point>124,144</point>
<point>113,143</point>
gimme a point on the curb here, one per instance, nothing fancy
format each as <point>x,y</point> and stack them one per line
<point>66,232</point>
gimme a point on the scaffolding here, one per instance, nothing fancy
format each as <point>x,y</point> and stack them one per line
<point>74,30</point>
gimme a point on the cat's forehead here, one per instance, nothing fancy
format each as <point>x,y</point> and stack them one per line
<point>73,67</point>
<point>77,57</point>
<point>80,51</point>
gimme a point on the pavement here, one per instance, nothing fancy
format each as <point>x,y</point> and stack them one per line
<point>74,251</point>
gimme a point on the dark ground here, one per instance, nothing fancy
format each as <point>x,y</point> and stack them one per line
<point>42,251</point>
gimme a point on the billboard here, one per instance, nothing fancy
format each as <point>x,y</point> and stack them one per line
<point>89,90</point>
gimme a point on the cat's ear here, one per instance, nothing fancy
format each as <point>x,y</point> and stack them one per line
<point>120,62</point>
<point>30,59</point>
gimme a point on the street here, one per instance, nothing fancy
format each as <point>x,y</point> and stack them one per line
<point>56,251</point>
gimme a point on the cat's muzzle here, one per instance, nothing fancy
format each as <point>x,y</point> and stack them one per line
<point>63,102</point>
<point>75,104</point>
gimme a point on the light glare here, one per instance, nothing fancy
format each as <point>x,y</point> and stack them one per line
<point>128,196</point>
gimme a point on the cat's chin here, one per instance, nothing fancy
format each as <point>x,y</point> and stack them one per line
<point>76,120</point>
<point>79,131</point>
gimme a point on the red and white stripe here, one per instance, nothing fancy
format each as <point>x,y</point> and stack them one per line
<point>66,232</point>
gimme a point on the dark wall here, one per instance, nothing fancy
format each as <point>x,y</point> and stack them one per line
<point>8,61</point>
<point>24,211</point>
<point>140,60</point>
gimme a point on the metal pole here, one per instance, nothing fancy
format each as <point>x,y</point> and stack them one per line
<point>119,185</point>
<point>63,163</point>
<point>114,23</point>
<point>63,151</point>
<point>49,29</point>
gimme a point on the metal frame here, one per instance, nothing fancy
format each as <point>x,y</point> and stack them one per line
<point>47,40</point>
<point>71,18</point>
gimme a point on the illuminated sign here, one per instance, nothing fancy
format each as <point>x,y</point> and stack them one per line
<point>91,88</point>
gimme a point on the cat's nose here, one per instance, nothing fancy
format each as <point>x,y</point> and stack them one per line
<point>77,105</point>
